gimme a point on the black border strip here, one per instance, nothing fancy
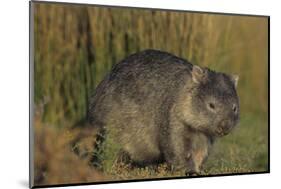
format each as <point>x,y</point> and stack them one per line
<point>31,92</point>
<point>31,46</point>
<point>268,90</point>
<point>150,179</point>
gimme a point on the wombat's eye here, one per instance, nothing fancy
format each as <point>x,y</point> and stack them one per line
<point>234,108</point>
<point>211,106</point>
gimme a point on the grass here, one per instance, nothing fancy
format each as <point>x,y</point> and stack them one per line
<point>234,153</point>
<point>55,162</point>
<point>244,150</point>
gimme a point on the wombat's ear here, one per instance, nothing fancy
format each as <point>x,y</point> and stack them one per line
<point>234,78</point>
<point>198,74</point>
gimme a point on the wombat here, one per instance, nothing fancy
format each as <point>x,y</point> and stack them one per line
<point>159,107</point>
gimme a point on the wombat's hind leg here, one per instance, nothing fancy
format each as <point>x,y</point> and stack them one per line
<point>96,160</point>
<point>123,157</point>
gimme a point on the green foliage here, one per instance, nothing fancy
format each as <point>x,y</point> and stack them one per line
<point>106,153</point>
<point>244,150</point>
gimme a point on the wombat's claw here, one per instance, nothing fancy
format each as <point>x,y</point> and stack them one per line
<point>191,173</point>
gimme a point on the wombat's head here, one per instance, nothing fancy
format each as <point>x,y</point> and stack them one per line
<point>214,101</point>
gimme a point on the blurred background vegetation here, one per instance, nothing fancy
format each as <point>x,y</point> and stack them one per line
<point>76,45</point>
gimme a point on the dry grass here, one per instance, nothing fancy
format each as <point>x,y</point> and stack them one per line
<point>55,162</point>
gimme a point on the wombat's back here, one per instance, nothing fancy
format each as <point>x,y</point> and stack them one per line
<point>146,80</point>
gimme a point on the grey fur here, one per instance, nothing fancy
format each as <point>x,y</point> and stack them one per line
<point>161,107</point>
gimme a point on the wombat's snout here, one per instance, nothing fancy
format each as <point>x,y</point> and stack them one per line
<point>225,126</point>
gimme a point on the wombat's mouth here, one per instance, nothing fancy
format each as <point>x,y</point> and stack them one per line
<point>223,130</point>
<point>225,127</point>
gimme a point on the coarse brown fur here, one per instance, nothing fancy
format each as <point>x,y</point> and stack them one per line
<point>157,106</point>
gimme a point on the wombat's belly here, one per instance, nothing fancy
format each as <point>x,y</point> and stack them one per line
<point>143,152</point>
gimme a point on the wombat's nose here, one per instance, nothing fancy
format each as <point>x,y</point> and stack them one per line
<point>227,127</point>
<point>224,128</point>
